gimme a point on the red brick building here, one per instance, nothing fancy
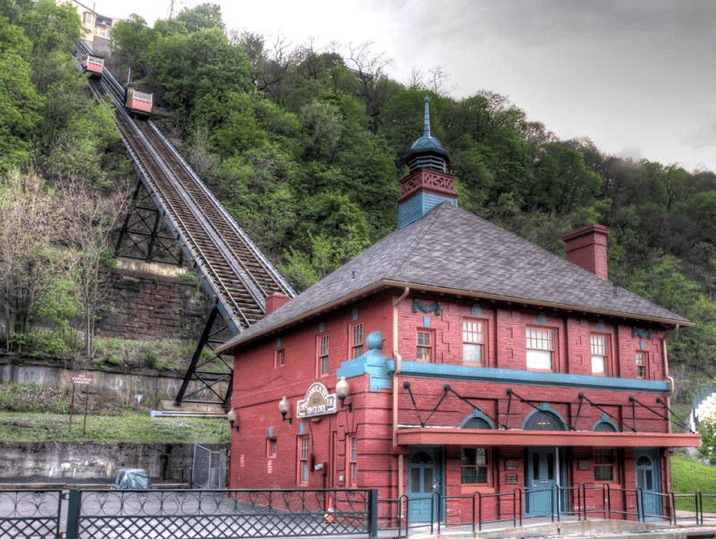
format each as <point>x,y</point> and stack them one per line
<point>469,361</point>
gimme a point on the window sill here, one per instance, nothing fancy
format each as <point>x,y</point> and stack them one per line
<point>472,489</point>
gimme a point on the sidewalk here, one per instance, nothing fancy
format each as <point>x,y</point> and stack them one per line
<point>685,528</point>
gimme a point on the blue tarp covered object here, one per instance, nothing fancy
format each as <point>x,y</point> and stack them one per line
<point>132,478</point>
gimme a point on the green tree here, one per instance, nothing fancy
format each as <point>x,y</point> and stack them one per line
<point>19,101</point>
<point>201,17</point>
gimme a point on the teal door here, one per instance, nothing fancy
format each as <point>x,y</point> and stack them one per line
<point>542,470</point>
<point>424,477</point>
<point>648,482</point>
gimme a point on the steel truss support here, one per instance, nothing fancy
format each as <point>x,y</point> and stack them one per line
<point>213,372</point>
<point>144,234</point>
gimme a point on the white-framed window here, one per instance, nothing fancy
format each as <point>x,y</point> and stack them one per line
<point>424,349</point>
<point>472,342</point>
<point>640,364</point>
<point>351,461</point>
<point>279,358</point>
<point>474,466</point>
<point>599,349</point>
<point>303,460</point>
<point>539,346</point>
<point>271,448</point>
<point>356,334</point>
<point>323,362</point>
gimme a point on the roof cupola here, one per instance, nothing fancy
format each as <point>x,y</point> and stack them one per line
<point>428,183</point>
<point>426,152</point>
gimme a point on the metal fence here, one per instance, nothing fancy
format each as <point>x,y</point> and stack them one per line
<point>208,468</point>
<point>187,514</point>
<point>30,513</point>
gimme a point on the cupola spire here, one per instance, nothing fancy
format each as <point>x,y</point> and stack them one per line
<point>426,152</point>
<point>428,183</point>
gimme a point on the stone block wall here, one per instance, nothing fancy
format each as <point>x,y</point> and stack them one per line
<point>153,301</point>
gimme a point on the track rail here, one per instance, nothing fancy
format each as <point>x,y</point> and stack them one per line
<point>231,266</point>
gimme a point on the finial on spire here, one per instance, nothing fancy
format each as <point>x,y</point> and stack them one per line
<point>426,117</point>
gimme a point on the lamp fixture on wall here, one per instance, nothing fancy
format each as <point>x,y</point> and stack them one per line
<point>233,418</point>
<point>342,392</point>
<point>283,408</point>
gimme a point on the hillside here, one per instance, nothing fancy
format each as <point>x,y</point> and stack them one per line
<point>302,147</point>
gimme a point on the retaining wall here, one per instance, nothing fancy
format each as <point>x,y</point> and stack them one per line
<point>96,461</point>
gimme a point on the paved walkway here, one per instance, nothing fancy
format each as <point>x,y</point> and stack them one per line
<point>685,528</point>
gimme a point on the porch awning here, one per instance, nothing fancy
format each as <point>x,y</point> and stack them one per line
<point>522,438</point>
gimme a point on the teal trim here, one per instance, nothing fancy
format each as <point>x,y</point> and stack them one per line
<point>270,432</point>
<point>373,363</point>
<point>476,310</point>
<point>510,376</point>
<point>541,319</point>
<point>426,321</point>
<point>302,429</point>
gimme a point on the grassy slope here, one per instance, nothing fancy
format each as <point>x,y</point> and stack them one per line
<point>31,413</point>
<point>687,477</point>
<point>135,427</point>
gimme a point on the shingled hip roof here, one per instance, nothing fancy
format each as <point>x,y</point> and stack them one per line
<point>451,249</point>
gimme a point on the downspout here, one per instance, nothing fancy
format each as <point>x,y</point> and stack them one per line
<point>398,366</point>
<point>672,385</point>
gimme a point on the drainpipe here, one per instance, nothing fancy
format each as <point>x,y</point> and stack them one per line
<point>398,366</point>
<point>672,385</point>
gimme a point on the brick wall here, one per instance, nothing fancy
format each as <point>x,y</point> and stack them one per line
<point>150,301</point>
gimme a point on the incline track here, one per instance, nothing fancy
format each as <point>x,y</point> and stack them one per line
<point>231,267</point>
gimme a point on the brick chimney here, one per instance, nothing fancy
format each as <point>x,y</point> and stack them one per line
<point>587,247</point>
<point>275,301</point>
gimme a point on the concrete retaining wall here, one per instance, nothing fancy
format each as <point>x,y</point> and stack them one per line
<point>96,461</point>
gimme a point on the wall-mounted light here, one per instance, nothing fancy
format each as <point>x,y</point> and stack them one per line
<point>342,392</point>
<point>233,418</point>
<point>283,408</point>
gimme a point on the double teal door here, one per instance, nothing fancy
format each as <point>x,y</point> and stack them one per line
<point>425,476</point>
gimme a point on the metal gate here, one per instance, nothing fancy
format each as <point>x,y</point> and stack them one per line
<point>219,514</point>
<point>208,468</point>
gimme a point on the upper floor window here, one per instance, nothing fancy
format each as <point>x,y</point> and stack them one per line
<point>303,461</point>
<point>473,466</point>
<point>424,351</point>
<point>599,349</point>
<point>356,340</point>
<point>322,354</point>
<point>539,347</point>
<point>279,359</point>
<point>88,18</point>
<point>472,342</point>
<point>641,365</point>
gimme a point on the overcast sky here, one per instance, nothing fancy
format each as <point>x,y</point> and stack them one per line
<point>635,76</point>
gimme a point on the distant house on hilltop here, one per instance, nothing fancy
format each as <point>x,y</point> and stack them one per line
<point>97,28</point>
<point>455,357</point>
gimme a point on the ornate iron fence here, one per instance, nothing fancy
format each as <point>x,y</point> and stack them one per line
<point>220,514</point>
<point>30,513</point>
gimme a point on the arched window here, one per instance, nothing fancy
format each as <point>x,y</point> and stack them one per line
<point>476,423</point>
<point>605,426</point>
<point>544,420</point>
